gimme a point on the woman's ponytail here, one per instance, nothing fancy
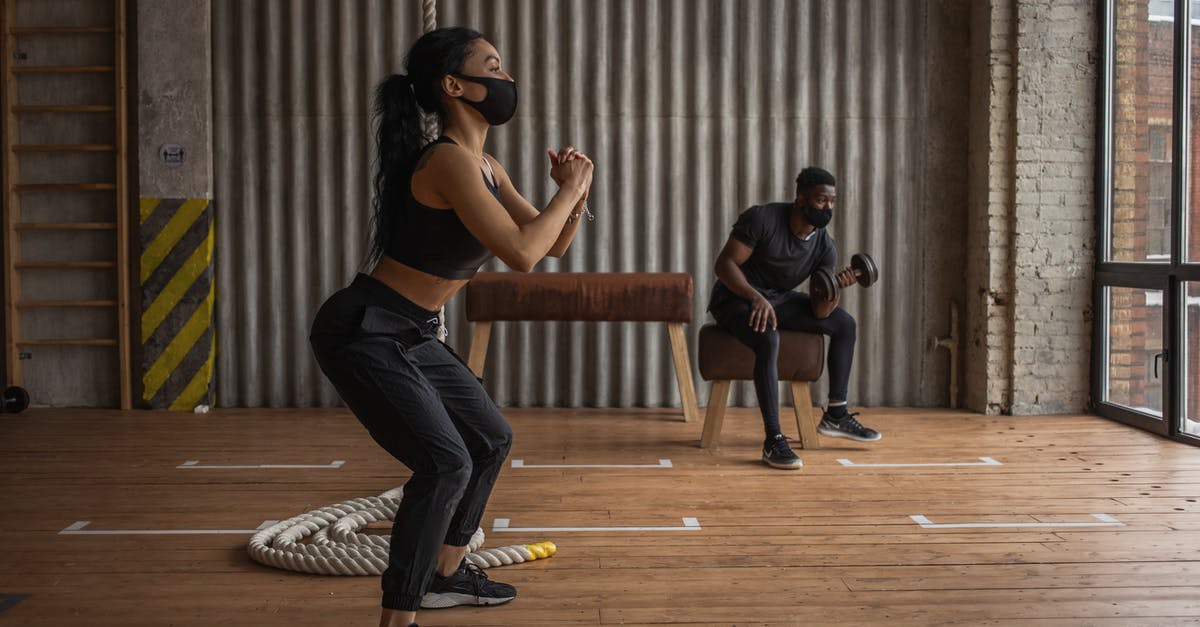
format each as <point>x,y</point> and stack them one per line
<point>399,137</point>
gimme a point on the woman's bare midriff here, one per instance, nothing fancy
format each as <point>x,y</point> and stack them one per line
<point>424,289</point>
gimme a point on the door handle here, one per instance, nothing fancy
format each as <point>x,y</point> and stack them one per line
<point>1158,356</point>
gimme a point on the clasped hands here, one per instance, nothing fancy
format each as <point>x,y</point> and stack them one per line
<point>569,165</point>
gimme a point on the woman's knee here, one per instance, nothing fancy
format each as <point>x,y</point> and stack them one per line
<point>454,471</point>
<point>491,436</point>
<point>501,437</point>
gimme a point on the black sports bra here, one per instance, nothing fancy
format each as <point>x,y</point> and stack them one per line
<point>434,240</point>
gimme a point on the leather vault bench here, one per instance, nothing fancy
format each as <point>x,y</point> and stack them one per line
<point>586,296</point>
<point>723,359</point>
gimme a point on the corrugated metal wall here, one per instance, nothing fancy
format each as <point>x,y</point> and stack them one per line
<point>692,110</point>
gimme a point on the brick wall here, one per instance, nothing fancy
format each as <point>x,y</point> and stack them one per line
<point>1031,243</point>
<point>1054,173</point>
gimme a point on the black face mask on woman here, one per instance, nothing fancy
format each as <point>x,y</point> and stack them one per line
<point>817,217</point>
<point>500,104</point>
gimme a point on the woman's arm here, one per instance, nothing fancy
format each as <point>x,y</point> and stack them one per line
<point>522,211</point>
<point>568,233</point>
<point>454,175</point>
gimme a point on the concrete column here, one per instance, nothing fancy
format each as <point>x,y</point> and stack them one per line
<point>988,320</point>
<point>174,99</point>
<point>175,181</point>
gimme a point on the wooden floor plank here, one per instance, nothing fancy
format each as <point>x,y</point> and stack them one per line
<point>828,544</point>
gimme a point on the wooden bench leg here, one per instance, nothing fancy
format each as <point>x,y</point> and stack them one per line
<point>714,416</point>
<point>802,401</point>
<point>683,371</point>
<point>479,347</point>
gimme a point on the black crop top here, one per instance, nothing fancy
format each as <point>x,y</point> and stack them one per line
<point>434,240</point>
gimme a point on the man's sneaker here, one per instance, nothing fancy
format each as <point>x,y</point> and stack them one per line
<point>847,427</point>
<point>467,586</point>
<point>777,454</point>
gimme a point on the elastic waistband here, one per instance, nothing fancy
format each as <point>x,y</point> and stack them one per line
<point>390,299</point>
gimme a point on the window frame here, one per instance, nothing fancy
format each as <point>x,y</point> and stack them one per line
<point>1168,276</point>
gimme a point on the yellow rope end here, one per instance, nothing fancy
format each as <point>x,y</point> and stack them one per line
<point>541,550</point>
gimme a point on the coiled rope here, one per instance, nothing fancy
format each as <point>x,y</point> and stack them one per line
<point>335,547</point>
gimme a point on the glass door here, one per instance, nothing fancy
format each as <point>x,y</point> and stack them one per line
<point>1133,368</point>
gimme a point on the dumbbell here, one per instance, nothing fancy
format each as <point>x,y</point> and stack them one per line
<point>15,400</point>
<point>823,285</point>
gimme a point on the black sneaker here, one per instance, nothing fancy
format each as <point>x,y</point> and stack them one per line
<point>777,454</point>
<point>847,427</point>
<point>469,585</point>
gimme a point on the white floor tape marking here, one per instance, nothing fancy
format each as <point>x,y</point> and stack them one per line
<point>501,524</point>
<point>192,463</point>
<point>985,461</point>
<point>77,529</point>
<point>662,463</point>
<point>1105,521</point>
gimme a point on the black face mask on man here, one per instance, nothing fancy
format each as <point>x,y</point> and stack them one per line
<point>500,104</point>
<point>819,218</point>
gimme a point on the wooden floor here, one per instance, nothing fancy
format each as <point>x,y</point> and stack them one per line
<point>828,544</point>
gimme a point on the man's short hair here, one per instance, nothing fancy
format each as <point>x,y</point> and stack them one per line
<point>812,176</point>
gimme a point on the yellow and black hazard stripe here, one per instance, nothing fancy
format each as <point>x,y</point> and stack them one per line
<point>178,344</point>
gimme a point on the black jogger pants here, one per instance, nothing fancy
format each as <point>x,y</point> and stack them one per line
<point>422,404</point>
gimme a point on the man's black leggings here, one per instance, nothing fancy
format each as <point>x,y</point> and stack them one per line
<point>793,312</point>
<point>422,404</point>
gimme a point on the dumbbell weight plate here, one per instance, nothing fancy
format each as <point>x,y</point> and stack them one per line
<point>868,272</point>
<point>16,399</point>
<point>823,285</point>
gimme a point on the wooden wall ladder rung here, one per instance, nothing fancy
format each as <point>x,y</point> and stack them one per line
<point>66,226</point>
<point>63,69</point>
<point>64,148</point>
<point>64,109</point>
<point>61,30</point>
<point>29,304</point>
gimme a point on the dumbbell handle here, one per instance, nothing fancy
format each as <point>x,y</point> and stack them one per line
<point>854,271</point>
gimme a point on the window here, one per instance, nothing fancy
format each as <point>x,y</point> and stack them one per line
<point>1148,195</point>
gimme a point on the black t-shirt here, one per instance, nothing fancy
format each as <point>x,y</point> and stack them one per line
<point>780,261</point>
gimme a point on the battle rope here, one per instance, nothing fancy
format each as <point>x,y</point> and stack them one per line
<point>335,546</point>
<point>428,15</point>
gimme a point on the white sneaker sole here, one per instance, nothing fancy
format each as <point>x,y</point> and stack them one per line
<point>440,600</point>
<point>793,466</point>
<point>833,433</point>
